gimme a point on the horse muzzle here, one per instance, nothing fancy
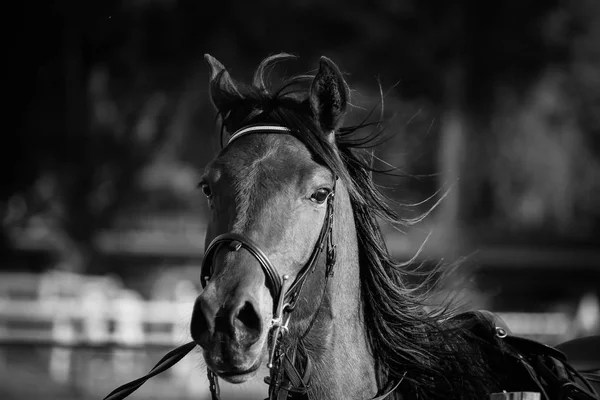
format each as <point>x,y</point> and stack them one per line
<point>232,336</point>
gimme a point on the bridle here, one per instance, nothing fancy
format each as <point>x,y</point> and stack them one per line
<point>285,295</point>
<point>285,380</point>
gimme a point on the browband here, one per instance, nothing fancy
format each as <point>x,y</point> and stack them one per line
<point>254,128</point>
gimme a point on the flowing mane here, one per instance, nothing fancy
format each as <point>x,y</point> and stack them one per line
<point>436,351</point>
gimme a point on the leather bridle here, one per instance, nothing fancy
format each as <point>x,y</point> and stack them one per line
<point>285,380</point>
<point>285,295</point>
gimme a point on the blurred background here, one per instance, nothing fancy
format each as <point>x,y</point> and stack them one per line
<point>102,227</point>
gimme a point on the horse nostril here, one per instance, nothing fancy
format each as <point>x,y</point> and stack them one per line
<point>200,326</point>
<point>250,322</point>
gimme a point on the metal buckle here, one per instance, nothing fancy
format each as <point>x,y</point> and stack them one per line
<point>277,326</point>
<point>215,390</point>
<point>501,332</point>
<point>278,323</point>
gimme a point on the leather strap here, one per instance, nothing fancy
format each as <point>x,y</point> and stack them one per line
<point>170,359</point>
<point>274,282</point>
<point>264,128</point>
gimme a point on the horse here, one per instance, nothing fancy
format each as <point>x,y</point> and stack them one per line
<point>296,272</point>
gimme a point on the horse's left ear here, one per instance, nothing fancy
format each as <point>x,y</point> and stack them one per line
<point>329,96</point>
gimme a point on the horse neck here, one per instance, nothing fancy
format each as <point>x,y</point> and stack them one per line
<point>344,367</point>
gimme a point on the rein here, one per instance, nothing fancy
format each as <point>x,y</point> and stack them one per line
<point>285,380</point>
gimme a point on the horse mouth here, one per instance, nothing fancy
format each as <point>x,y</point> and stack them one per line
<point>238,376</point>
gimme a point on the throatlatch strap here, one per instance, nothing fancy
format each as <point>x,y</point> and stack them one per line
<point>170,359</point>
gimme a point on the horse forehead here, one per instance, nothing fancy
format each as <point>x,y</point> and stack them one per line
<point>267,160</point>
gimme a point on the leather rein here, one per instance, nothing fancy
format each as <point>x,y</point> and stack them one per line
<point>285,379</point>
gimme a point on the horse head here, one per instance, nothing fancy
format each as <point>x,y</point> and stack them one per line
<point>270,229</point>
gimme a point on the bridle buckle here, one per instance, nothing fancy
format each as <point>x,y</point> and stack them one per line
<point>277,323</point>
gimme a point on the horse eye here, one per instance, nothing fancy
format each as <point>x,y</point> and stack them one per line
<point>320,195</point>
<point>205,189</point>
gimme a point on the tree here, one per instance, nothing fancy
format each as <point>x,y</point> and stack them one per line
<point>92,122</point>
<point>110,87</point>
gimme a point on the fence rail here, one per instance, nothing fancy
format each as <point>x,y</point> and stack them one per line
<point>91,327</point>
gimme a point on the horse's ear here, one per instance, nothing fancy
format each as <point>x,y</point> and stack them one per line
<point>221,86</point>
<point>329,96</point>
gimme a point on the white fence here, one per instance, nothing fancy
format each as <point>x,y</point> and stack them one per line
<point>68,309</point>
<point>66,313</point>
<point>92,329</point>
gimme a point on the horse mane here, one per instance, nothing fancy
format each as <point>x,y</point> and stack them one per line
<point>435,352</point>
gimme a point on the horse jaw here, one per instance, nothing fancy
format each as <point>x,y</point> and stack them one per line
<point>344,367</point>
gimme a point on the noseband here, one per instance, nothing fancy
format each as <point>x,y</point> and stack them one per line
<point>285,296</point>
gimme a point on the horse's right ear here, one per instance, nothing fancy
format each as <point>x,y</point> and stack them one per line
<point>221,86</point>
